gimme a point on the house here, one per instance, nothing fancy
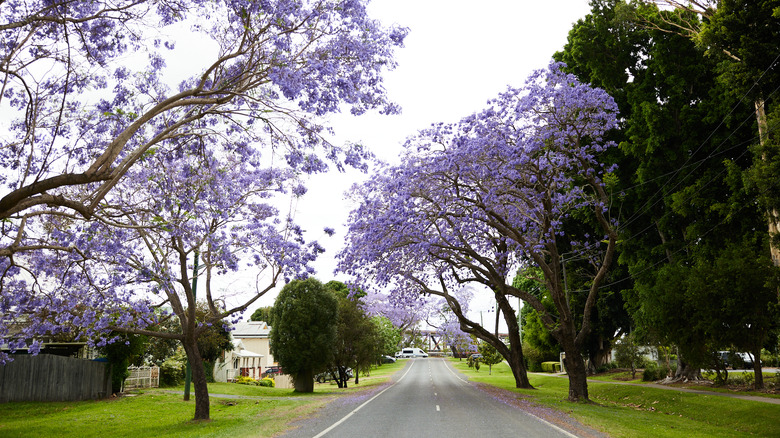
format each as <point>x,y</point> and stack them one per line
<point>255,336</point>
<point>239,362</point>
<point>251,355</point>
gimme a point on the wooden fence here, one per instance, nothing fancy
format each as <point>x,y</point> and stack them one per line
<point>53,378</point>
<point>143,377</point>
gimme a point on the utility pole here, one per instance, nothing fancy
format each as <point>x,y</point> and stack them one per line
<point>763,133</point>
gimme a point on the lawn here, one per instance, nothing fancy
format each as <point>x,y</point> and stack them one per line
<point>739,382</point>
<point>641,411</point>
<point>620,410</point>
<point>260,412</point>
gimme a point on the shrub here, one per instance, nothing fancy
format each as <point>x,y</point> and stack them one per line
<point>606,367</point>
<point>551,367</point>
<point>267,382</point>
<point>747,379</point>
<point>770,359</point>
<point>654,372</point>
<point>172,371</point>
<point>245,380</point>
<point>534,357</point>
<point>534,366</point>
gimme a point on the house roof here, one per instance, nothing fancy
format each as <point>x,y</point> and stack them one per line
<point>251,329</point>
<point>240,351</point>
<point>246,353</point>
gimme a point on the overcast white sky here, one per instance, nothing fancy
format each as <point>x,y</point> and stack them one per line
<point>458,55</point>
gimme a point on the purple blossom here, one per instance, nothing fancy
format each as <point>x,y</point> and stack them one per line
<point>160,173</point>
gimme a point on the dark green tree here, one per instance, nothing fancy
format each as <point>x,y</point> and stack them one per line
<point>741,37</point>
<point>741,310</point>
<point>303,336</point>
<point>683,182</point>
<point>160,349</point>
<point>389,336</point>
<point>262,314</point>
<point>357,342</point>
<point>538,344</point>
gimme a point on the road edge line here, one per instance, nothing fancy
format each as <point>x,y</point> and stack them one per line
<point>542,420</point>
<point>336,424</point>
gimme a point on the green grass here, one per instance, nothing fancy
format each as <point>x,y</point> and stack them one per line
<point>619,376</point>
<point>734,377</point>
<point>152,414</point>
<point>641,411</point>
<point>162,413</point>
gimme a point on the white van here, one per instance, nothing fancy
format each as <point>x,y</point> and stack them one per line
<point>411,352</point>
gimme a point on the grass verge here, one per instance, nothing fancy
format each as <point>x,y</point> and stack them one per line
<point>641,411</point>
<point>159,413</point>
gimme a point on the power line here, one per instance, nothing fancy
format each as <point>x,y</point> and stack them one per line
<point>645,207</point>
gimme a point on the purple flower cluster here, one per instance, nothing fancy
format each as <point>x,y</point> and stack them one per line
<point>112,180</point>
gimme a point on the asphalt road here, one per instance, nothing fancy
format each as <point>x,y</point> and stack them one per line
<point>428,399</point>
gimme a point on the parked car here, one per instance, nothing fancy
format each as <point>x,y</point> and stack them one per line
<point>272,371</point>
<point>747,359</point>
<point>411,352</point>
<point>387,359</point>
<point>736,360</point>
<point>328,375</point>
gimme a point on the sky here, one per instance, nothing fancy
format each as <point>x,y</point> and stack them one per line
<point>457,56</point>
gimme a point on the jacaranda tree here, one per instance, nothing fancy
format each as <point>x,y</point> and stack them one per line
<point>114,178</point>
<point>473,201</point>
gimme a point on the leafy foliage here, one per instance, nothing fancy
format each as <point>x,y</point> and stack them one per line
<point>388,336</point>
<point>304,336</point>
<point>629,355</point>
<point>357,342</point>
<point>538,343</point>
<point>123,351</point>
<point>262,314</point>
<point>687,82</point>
<point>490,356</point>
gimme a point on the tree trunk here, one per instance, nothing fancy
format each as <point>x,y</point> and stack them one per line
<point>598,356</point>
<point>513,353</point>
<point>517,365</point>
<point>343,379</point>
<point>198,378</point>
<point>455,352</point>
<point>304,381</point>
<point>577,372</point>
<point>758,373</point>
<point>515,360</point>
<point>685,371</point>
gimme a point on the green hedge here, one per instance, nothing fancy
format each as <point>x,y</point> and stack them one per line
<point>551,367</point>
